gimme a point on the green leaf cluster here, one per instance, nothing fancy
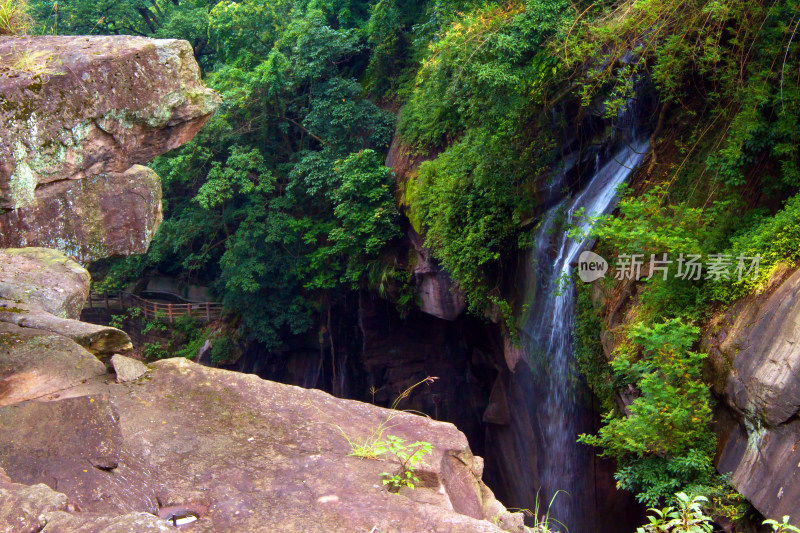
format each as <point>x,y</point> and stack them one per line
<point>410,456</point>
<point>477,96</point>
<point>686,516</point>
<point>663,442</point>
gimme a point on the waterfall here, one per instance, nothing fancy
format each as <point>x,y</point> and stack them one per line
<point>558,395</point>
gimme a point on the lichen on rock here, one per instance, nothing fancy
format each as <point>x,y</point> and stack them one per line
<point>91,108</point>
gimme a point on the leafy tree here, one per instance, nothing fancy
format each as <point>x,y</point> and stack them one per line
<point>282,202</point>
<point>182,19</point>
<point>665,442</point>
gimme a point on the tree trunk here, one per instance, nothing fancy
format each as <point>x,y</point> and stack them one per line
<point>145,13</point>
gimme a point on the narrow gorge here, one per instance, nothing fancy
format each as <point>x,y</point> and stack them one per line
<point>399,266</point>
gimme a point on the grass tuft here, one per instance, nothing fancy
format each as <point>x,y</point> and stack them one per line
<point>14,18</point>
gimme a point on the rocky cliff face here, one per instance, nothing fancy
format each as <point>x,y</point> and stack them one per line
<point>78,115</point>
<point>43,348</point>
<point>754,356</point>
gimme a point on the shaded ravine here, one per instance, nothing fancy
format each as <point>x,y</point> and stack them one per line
<point>561,409</point>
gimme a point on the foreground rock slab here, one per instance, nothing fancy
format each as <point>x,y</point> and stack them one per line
<point>245,455</point>
<point>75,446</point>
<point>37,364</point>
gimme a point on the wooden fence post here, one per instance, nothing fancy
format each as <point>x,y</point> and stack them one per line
<point>208,312</point>
<point>169,312</point>
<point>106,297</point>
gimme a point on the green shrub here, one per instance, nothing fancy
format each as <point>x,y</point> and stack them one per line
<point>665,443</point>
<point>774,239</point>
<point>153,351</point>
<point>783,526</point>
<point>686,516</point>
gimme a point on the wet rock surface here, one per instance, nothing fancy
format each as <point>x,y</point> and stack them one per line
<point>754,365</point>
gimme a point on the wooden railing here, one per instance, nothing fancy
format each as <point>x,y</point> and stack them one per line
<point>149,309</point>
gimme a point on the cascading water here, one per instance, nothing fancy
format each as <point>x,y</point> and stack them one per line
<point>560,408</point>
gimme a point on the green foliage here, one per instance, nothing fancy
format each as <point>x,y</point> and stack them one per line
<point>188,336</point>
<point>157,323</point>
<point>484,71</point>
<point>392,282</point>
<point>478,93</point>
<point>471,212</point>
<point>364,209</point>
<point>243,173</point>
<point>686,516</point>
<point>726,60</point>
<point>409,456</point>
<point>116,321</point>
<point>665,443</point>
<point>223,348</point>
<point>386,38</point>
<point>783,526</point>
<point>589,349</point>
<point>774,239</point>
<point>647,224</point>
<point>154,351</point>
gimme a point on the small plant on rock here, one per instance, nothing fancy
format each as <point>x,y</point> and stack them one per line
<point>686,517</point>
<point>409,455</point>
<point>371,447</point>
<point>781,527</point>
<point>544,523</point>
